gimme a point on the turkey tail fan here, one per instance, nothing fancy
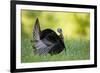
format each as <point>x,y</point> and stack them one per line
<point>36,30</point>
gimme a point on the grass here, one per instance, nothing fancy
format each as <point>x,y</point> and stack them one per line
<point>76,49</point>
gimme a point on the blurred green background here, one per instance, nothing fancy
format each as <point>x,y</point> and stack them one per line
<point>76,31</point>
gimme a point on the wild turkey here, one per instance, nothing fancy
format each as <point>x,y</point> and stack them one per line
<point>47,41</point>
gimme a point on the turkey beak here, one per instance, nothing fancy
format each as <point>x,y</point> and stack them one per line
<point>61,36</point>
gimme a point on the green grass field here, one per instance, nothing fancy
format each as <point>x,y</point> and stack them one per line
<point>76,32</point>
<point>76,49</point>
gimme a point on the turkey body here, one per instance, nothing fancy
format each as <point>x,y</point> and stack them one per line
<point>51,36</point>
<point>46,41</point>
